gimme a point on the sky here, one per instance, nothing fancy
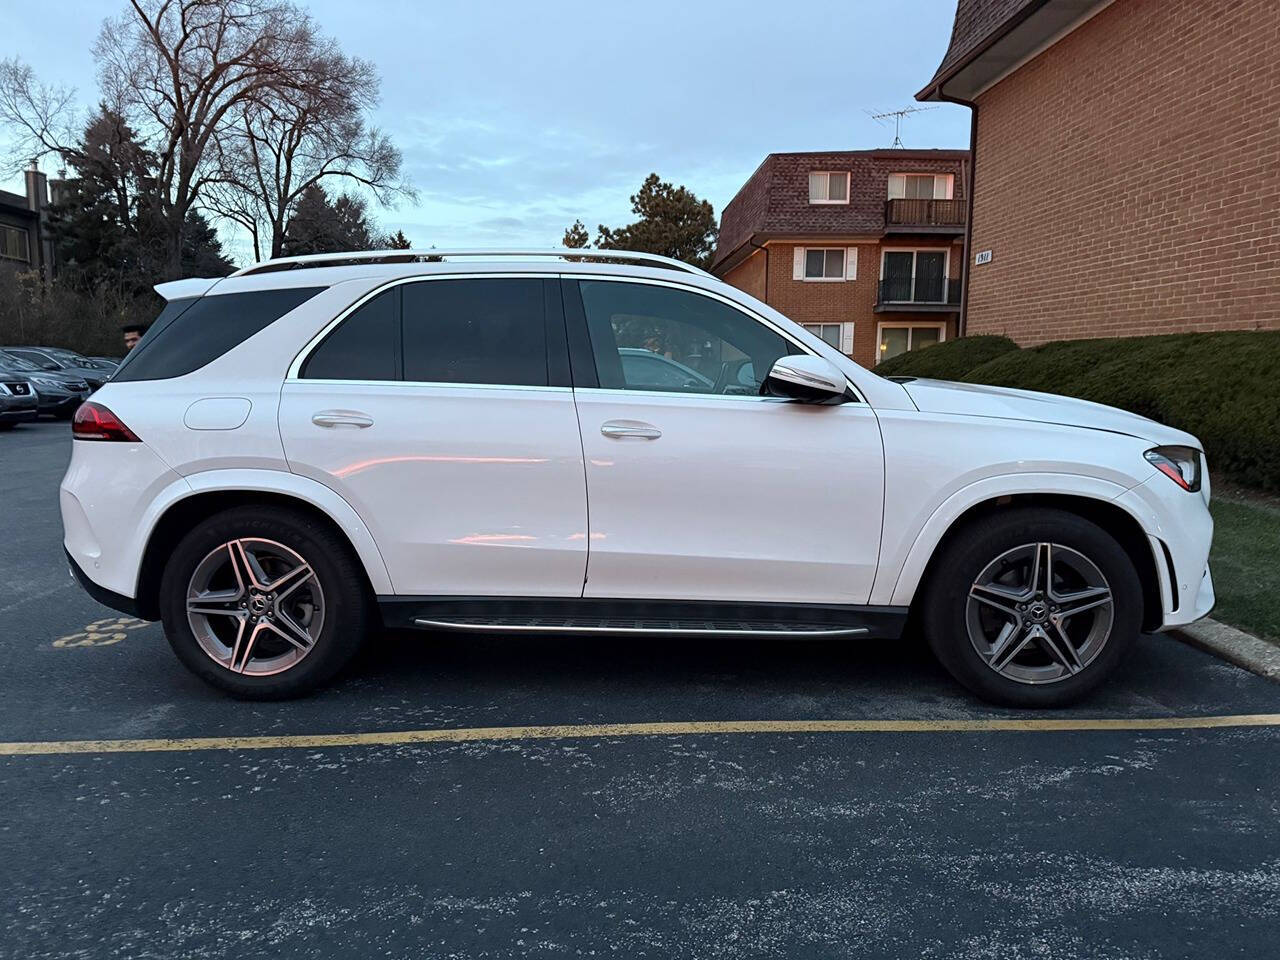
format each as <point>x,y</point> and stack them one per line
<point>516,118</point>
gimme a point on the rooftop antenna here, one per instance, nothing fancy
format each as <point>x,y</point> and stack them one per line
<point>897,116</point>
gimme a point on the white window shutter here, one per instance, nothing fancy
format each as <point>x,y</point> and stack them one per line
<point>943,185</point>
<point>851,263</point>
<point>897,186</point>
<point>846,338</point>
<point>797,264</point>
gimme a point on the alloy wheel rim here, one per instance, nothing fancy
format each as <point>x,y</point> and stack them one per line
<point>255,606</point>
<point>1039,613</point>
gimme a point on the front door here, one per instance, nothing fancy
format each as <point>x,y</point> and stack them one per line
<point>700,488</point>
<point>440,410</point>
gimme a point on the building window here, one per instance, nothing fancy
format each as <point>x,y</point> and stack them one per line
<point>898,338</point>
<point>921,186</point>
<point>914,276</point>
<point>14,244</point>
<point>839,335</point>
<point>829,187</point>
<point>825,263</point>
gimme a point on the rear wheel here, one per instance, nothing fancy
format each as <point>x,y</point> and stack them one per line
<point>1032,608</point>
<point>264,603</point>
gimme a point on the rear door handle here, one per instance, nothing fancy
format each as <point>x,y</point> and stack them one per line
<point>341,418</point>
<point>636,429</point>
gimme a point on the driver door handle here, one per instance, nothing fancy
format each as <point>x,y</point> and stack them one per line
<point>341,418</point>
<point>635,429</point>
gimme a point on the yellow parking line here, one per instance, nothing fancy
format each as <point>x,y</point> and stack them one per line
<point>597,730</point>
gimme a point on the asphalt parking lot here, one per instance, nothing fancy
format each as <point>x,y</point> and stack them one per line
<point>1132,835</point>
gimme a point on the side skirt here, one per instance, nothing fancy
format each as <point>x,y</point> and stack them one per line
<point>550,615</point>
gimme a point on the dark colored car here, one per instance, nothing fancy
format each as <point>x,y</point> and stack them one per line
<point>59,360</point>
<point>18,402</point>
<point>58,392</point>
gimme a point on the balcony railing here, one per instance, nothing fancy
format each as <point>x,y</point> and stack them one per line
<point>920,292</point>
<point>948,215</point>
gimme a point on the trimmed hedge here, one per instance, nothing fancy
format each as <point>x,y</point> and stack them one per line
<point>950,360</point>
<point>1222,387</point>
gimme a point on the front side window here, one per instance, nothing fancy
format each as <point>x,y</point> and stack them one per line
<point>656,338</point>
<point>489,331</point>
<point>829,187</point>
<point>899,339</point>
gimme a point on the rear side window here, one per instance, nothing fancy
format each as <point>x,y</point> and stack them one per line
<point>365,346</point>
<point>490,331</point>
<point>204,330</point>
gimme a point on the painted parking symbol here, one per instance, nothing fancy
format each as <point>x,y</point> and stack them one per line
<point>101,633</point>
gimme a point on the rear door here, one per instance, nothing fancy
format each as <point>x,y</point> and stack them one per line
<point>440,409</point>
<point>703,489</point>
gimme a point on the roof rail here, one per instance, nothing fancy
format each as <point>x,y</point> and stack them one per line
<point>411,256</point>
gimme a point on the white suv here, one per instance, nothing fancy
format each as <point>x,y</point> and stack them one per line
<point>311,447</point>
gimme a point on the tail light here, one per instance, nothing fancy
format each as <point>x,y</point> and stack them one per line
<point>93,421</point>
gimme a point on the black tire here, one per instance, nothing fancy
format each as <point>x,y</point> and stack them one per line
<point>7,425</point>
<point>972,549</point>
<point>348,604</point>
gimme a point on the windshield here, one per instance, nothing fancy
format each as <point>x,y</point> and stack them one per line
<point>17,363</point>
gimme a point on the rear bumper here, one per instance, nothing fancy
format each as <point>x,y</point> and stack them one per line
<point>108,598</point>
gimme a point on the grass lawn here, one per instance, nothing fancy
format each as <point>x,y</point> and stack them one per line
<point>1246,563</point>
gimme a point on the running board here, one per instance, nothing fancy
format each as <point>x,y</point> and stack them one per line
<point>672,618</point>
<point>649,628</point>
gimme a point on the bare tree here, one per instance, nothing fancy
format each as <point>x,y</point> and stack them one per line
<point>181,69</point>
<point>292,139</point>
<point>40,119</point>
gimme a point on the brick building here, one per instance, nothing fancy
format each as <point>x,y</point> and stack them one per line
<point>1126,165</point>
<point>25,242</point>
<point>862,247</point>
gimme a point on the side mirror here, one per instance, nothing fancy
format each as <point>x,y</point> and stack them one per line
<point>808,379</point>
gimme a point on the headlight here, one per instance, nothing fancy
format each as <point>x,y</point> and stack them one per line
<point>1179,464</point>
<point>46,382</point>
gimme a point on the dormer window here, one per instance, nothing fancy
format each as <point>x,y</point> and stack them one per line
<point>829,187</point>
<point>921,186</point>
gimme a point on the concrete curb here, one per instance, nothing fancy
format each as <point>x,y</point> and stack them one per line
<point>1235,646</point>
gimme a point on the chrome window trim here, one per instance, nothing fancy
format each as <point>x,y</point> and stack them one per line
<point>432,384</point>
<point>291,375</point>
<point>732,304</point>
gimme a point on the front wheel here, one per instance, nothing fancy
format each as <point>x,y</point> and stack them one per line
<point>264,603</point>
<point>1032,607</point>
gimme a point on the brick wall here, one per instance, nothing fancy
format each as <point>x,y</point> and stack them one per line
<point>849,301</point>
<point>1128,178</point>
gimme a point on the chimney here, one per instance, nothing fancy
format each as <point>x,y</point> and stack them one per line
<point>37,188</point>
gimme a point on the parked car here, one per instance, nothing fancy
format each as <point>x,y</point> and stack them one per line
<point>17,400</point>
<point>56,360</point>
<point>58,392</point>
<point>296,455</point>
<point>107,363</point>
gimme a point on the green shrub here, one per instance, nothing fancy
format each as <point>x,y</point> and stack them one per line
<point>947,361</point>
<point>1222,387</point>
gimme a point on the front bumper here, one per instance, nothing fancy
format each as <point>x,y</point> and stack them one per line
<point>18,414</point>
<point>1180,530</point>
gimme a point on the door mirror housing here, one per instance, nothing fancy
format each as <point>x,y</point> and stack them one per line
<point>807,379</point>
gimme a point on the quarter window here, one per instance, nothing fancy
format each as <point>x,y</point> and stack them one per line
<point>365,346</point>
<point>829,187</point>
<point>657,338</point>
<point>490,331</point>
